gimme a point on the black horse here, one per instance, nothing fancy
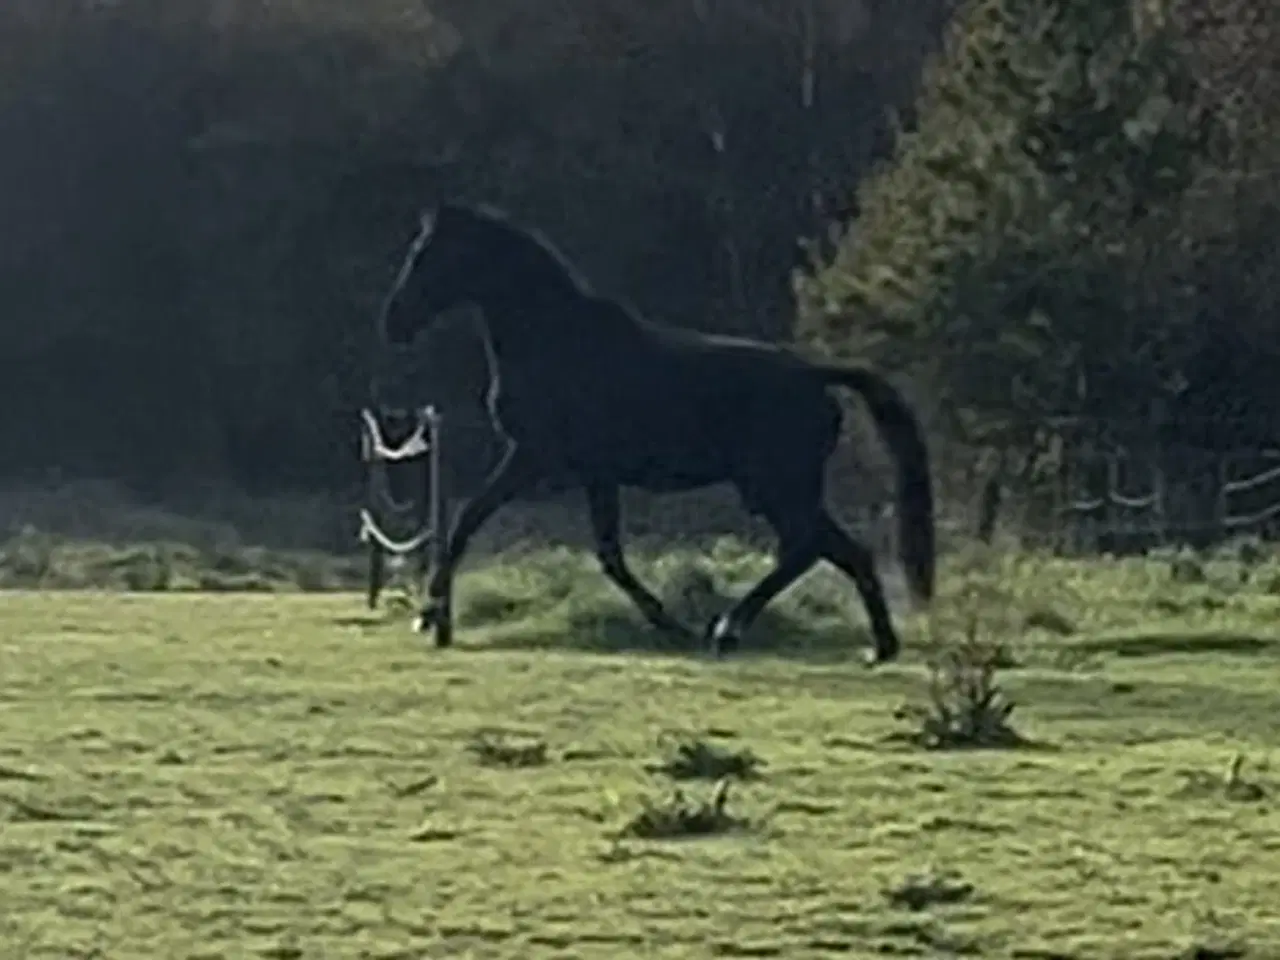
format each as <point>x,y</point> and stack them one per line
<point>588,393</point>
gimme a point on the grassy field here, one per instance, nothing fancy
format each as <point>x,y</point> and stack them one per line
<point>283,775</point>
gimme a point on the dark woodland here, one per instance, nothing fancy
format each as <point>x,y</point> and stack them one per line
<point>201,204</point>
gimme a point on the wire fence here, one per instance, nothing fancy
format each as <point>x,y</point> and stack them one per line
<point>1117,502</point>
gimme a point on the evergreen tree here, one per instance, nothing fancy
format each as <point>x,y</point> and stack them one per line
<point>1005,251</point>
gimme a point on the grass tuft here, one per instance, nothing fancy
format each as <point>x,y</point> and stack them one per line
<point>965,707</point>
<point>677,817</point>
<point>691,758</point>
<point>507,750</point>
<point>934,888</point>
<point>1232,785</point>
<point>258,770</point>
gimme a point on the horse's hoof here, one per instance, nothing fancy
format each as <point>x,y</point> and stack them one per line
<point>435,617</point>
<point>721,636</point>
<point>880,656</point>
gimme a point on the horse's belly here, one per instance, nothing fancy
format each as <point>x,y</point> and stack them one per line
<point>670,478</point>
<point>665,470</point>
<point>658,447</point>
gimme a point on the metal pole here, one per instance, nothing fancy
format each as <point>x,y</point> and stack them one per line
<point>436,524</point>
<point>377,565</point>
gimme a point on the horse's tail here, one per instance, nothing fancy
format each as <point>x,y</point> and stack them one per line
<point>902,433</point>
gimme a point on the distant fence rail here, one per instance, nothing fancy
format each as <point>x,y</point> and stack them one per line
<point>1126,502</point>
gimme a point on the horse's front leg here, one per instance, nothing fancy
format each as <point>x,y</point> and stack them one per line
<point>513,475</point>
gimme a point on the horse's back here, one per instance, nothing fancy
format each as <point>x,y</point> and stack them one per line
<point>656,407</point>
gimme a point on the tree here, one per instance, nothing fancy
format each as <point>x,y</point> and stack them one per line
<point>1014,248</point>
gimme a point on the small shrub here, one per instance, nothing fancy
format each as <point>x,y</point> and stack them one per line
<point>677,817</point>
<point>146,569</point>
<point>1233,785</point>
<point>1236,787</point>
<point>1185,567</point>
<point>920,891</point>
<point>696,759</point>
<point>26,560</point>
<point>505,750</point>
<point>966,707</point>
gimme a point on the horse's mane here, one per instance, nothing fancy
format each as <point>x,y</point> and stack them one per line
<point>530,238</point>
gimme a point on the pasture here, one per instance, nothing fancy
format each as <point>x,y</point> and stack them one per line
<point>243,773</point>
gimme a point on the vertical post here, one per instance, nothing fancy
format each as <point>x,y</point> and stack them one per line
<point>425,508</point>
<point>377,557</point>
<point>438,543</point>
<point>422,504</point>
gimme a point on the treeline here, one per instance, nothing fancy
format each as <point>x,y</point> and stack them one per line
<point>1069,212</point>
<point>1079,223</point>
<point>202,201</point>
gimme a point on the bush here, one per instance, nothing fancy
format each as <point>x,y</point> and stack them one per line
<point>965,706</point>
<point>1018,241</point>
<point>678,816</point>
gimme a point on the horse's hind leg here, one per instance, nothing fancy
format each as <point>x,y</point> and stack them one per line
<point>606,526</point>
<point>856,561</point>
<point>514,474</point>
<point>798,551</point>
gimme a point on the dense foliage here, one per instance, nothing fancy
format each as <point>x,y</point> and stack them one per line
<point>1073,224</point>
<point>204,200</point>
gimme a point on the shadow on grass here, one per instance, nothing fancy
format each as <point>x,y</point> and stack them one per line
<point>366,621</point>
<point>1191,642</point>
<point>774,635</point>
<point>561,601</point>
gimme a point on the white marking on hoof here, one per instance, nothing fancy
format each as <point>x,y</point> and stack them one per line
<point>720,627</point>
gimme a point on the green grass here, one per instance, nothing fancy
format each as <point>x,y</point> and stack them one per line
<point>241,774</point>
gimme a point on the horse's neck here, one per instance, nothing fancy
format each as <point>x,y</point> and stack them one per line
<point>549,329</point>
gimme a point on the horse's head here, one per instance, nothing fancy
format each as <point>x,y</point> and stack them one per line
<point>440,271</point>
<point>476,256</point>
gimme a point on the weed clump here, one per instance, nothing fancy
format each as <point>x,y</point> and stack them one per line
<point>966,707</point>
<point>678,816</point>
<point>145,570</point>
<point>919,891</point>
<point>26,558</point>
<point>1185,567</point>
<point>690,758</point>
<point>1233,786</point>
<point>512,752</point>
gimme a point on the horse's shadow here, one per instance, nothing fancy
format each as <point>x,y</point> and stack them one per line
<point>552,605</point>
<point>620,632</point>
<point>365,621</point>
